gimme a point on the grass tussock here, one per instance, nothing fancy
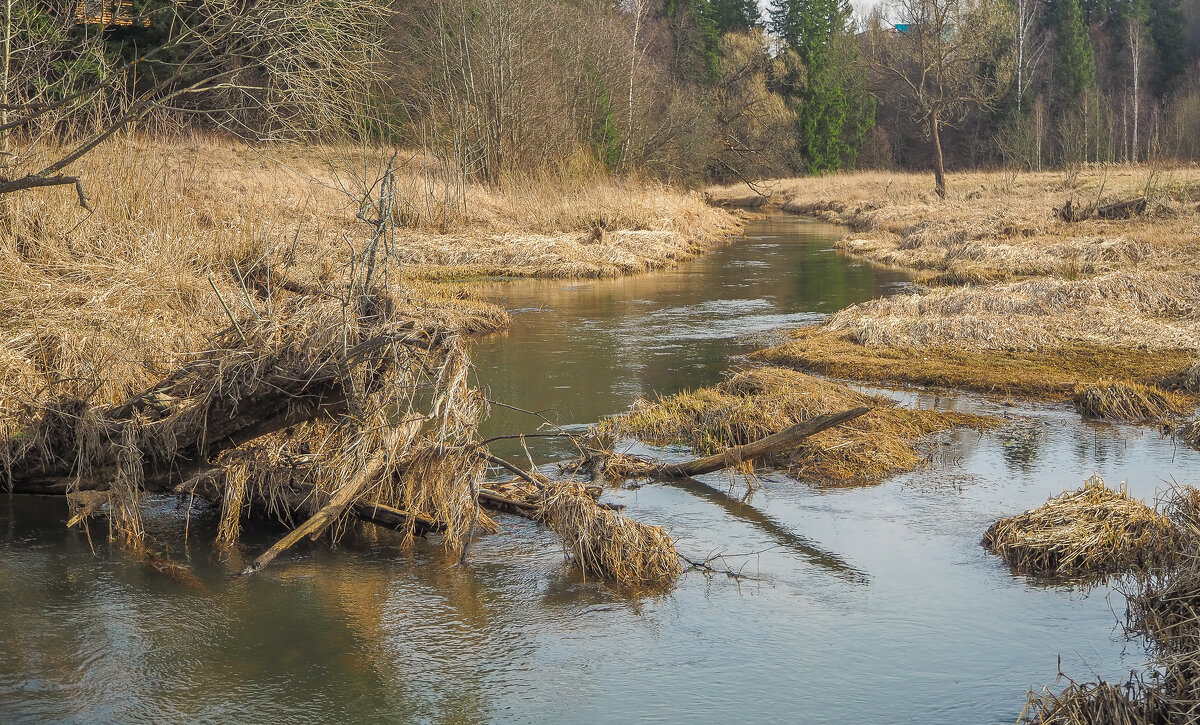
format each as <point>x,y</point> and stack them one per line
<point>1092,531</point>
<point>1163,611</point>
<point>758,402</point>
<point>606,544</point>
<point>1126,402</point>
<point>1093,703</point>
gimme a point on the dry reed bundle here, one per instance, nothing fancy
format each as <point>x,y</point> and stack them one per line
<point>343,390</point>
<point>1163,608</point>
<point>1115,400</point>
<point>606,544</point>
<point>755,403</point>
<point>1095,703</point>
<point>1092,531</point>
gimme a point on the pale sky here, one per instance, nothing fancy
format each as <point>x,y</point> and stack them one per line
<point>860,6</point>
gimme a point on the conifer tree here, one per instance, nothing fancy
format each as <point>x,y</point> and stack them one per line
<point>1166,25</point>
<point>835,111</point>
<point>732,16</point>
<point>1074,73</point>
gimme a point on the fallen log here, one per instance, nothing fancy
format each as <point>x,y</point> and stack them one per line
<point>210,485</point>
<point>529,505</point>
<point>341,500</point>
<point>1123,209</point>
<point>638,466</point>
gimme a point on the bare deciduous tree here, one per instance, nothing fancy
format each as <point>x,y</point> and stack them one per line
<point>285,67</point>
<point>941,58</point>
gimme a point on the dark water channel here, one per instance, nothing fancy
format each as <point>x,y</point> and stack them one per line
<point>865,605</point>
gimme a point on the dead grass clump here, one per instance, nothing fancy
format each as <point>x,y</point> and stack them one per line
<point>606,544</point>
<point>1114,400</point>
<point>1050,372</point>
<point>1094,530</point>
<point>1186,380</point>
<point>1163,609</point>
<point>755,403</point>
<point>1094,703</point>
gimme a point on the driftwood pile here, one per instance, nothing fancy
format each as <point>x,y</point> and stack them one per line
<point>316,415</point>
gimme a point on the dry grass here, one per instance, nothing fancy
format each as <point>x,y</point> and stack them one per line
<point>102,300</point>
<point>1003,223</point>
<point>1163,610</point>
<point>1093,703</point>
<point>1127,402</point>
<point>758,402</point>
<point>1050,374</point>
<point>552,227</point>
<point>95,304</point>
<point>1092,531</point>
<point>1006,279</point>
<point>606,544</point>
<point>1129,308</point>
<point>190,233</point>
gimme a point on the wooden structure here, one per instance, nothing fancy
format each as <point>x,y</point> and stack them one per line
<point>108,12</point>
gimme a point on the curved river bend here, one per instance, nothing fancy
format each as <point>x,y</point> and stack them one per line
<point>864,605</point>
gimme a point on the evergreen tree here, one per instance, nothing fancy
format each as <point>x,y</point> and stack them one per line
<point>697,40</point>
<point>1074,73</point>
<point>1165,23</point>
<point>732,16</point>
<point>834,109</point>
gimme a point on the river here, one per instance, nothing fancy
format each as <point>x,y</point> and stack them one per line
<point>857,605</point>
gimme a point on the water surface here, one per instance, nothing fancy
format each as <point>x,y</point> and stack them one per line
<point>860,605</point>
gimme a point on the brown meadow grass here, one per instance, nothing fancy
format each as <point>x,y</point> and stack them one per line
<point>96,302</point>
<point>1013,298</point>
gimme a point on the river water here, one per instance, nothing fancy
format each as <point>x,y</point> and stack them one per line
<point>858,605</point>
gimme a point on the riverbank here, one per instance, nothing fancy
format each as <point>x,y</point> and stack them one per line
<point>98,300</point>
<point>1026,288</point>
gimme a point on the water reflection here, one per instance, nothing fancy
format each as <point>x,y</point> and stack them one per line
<point>747,513</point>
<point>582,350</point>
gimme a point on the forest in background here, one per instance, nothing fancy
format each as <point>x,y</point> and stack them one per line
<point>683,90</point>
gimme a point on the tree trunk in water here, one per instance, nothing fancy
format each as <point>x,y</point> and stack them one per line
<point>939,168</point>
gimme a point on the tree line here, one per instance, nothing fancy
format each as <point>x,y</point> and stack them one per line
<point>689,90</point>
